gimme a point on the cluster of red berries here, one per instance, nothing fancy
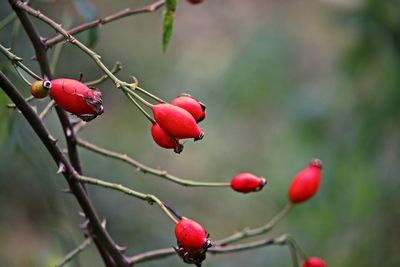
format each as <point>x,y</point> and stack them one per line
<point>178,120</point>
<point>71,95</point>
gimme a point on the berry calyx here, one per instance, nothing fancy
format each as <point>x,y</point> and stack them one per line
<point>192,105</point>
<point>247,182</point>
<point>177,122</point>
<point>305,184</point>
<point>314,262</point>
<point>40,89</point>
<point>164,140</point>
<point>77,98</point>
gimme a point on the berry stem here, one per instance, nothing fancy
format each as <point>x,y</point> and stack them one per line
<point>156,98</point>
<point>18,61</point>
<point>146,169</point>
<point>86,243</point>
<point>147,115</point>
<point>116,68</point>
<point>256,231</point>
<point>22,76</point>
<point>138,97</point>
<point>151,199</point>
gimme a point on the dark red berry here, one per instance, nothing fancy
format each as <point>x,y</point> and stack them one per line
<point>77,98</point>
<point>164,140</point>
<point>190,234</point>
<point>306,183</point>
<point>192,105</point>
<point>177,122</point>
<point>314,262</point>
<point>40,89</point>
<point>195,1</point>
<point>247,182</point>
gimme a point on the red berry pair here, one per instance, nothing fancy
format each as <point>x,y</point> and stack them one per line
<point>247,182</point>
<point>192,241</point>
<point>314,262</point>
<point>306,183</point>
<point>177,120</point>
<point>71,95</point>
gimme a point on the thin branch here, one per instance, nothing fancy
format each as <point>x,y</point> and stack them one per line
<point>68,171</point>
<point>145,169</point>
<point>28,99</point>
<point>117,67</point>
<point>18,61</point>
<point>165,252</point>
<point>46,110</point>
<point>75,252</point>
<point>95,23</point>
<point>7,20</point>
<point>151,199</point>
<point>56,57</point>
<point>256,231</point>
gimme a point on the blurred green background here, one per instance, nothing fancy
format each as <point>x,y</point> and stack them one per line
<point>283,81</point>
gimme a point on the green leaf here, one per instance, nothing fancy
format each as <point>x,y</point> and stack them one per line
<point>88,12</point>
<point>171,5</point>
<point>168,28</point>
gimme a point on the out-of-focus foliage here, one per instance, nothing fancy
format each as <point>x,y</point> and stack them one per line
<point>283,81</point>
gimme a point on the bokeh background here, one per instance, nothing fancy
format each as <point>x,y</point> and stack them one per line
<point>283,81</point>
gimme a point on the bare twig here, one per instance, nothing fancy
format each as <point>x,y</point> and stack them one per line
<point>28,99</point>
<point>46,110</point>
<point>255,231</point>
<point>75,252</point>
<point>145,169</point>
<point>165,252</point>
<point>117,67</point>
<point>95,23</point>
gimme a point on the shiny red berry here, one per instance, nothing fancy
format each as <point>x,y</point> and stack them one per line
<point>164,140</point>
<point>314,262</point>
<point>190,235</point>
<point>40,89</point>
<point>77,98</point>
<point>247,182</point>
<point>306,183</point>
<point>177,122</point>
<point>195,1</point>
<point>192,105</point>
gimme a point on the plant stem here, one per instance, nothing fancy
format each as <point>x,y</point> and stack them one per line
<point>97,22</point>
<point>256,231</point>
<point>86,243</point>
<point>7,20</point>
<point>144,112</point>
<point>117,67</point>
<point>151,199</point>
<point>156,98</point>
<point>145,169</point>
<point>46,110</point>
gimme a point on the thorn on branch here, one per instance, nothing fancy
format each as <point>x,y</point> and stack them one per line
<point>61,168</point>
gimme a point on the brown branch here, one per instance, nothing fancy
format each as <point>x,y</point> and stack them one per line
<point>98,232</point>
<point>166,252</point>
<point>95,23</point>
<point>105,244</point>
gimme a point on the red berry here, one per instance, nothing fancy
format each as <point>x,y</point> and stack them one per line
<point>306,183</point>
<point>195,1</point>
<point>77,98</point>
<point>192,105</point>
<point>190,235</point>
<point>164,140</point>
<point>177,122</point>
<point>247,182</point>
<point>40,89</point>
<point>314,262</point>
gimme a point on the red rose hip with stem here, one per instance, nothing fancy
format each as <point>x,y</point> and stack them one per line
<point>314,262</point>
<point>192,105</point>
<point>77,98</point>
<point>177,122</point>
<point>247,182</point>
<point>306,183</point>
<point>164,140</point>
<point>191,235</point>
